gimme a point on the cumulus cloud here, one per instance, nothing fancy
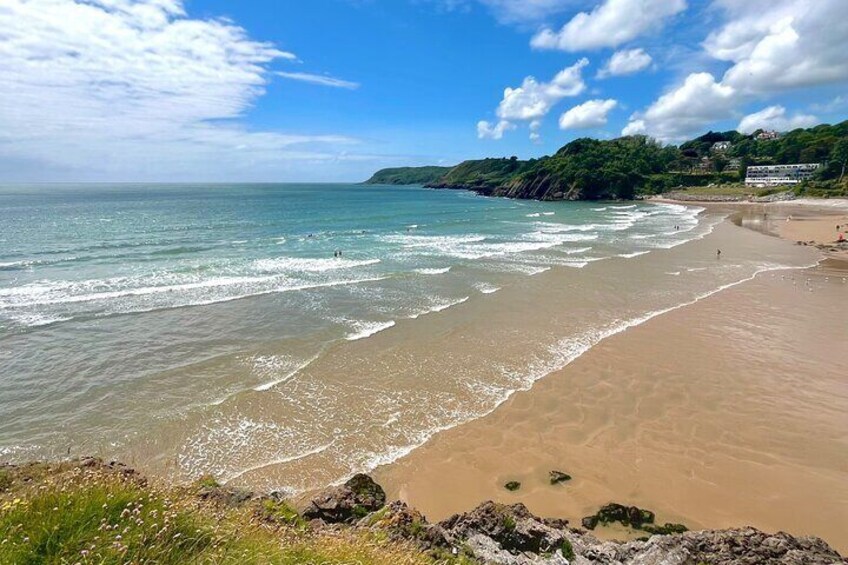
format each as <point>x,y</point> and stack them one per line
<point>625,62</point>
<point>683,110</point>
<point>322,80</point>
<point>775,118</point>
<point>487,130</point>
<point>590,114</point>
<point>129,87</point>
<point>772,46</point>
<point>782,44</point>
<point>533,100</point>
<point>609,25</point>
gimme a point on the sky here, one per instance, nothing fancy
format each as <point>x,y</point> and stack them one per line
<point>332,90</point>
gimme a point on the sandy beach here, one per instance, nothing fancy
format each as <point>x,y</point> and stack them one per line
<point>731,411</point>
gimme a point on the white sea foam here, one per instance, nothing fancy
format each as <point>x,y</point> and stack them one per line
<point>36,319</point>
<point>296,264</point>
<point>15,264</point>
<point>548,213</point>
<point>363,330</point>
<point>59,293</point>
<point>487,288</point>
<point>536,215</point>
<point>634,254</point>
<point>441,271</point>
<point>278,461</point>
<point>439,307</point>
<point>280,365</point>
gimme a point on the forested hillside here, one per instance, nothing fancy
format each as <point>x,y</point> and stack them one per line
<point>591,169</point>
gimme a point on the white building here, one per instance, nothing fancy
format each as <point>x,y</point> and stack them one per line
<point>720,146</point>
<point>775,175</point>
<point>767,135</point>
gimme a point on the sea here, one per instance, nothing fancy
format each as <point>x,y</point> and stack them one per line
<point>286,336</point>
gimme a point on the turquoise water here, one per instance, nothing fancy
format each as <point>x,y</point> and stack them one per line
<point>81,253</point>
<point>125,306</point>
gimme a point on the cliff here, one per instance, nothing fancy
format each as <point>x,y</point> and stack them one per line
<point>91,511</point>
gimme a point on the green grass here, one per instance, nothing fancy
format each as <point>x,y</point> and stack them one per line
<point>91,517</point>
<point>567,550</point>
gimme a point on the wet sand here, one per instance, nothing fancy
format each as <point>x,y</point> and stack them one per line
<point>732,411</point>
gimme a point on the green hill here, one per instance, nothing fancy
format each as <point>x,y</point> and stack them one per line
<point>623,168</point>
<point>408,175</point>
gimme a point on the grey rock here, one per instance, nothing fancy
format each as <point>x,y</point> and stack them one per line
<point>348,503</point>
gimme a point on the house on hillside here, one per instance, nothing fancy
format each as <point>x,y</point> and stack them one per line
<point>705,165</point>
<point>720,146</point>
<point>766,135</point>
<point>776,175</point>
<point>733,165</point>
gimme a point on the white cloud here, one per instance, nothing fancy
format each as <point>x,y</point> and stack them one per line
<point>782,44</point>
<point>684,110</point>
<point>773,46</point>
<point>609,25</point>
<point>590,114</point>
<point>131,88</point>
<point>625,62</point>
<point>322,80</point>
<point>533,100</point>
<point>486,130</point>
<point>775,118</point>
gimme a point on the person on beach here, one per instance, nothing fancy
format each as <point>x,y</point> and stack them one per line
<point>718,253</point>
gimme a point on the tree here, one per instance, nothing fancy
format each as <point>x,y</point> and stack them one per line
<point>840,155</point>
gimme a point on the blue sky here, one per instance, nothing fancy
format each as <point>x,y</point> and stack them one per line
<point>331,90</point>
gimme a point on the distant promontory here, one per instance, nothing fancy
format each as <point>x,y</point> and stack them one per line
<point>629,167</point>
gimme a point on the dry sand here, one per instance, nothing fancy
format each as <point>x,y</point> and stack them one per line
<point>729,412</point>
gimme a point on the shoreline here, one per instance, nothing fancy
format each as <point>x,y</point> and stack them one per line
<point>421,474</point>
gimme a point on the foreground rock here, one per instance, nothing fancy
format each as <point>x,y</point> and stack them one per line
<point>631,517</point>
<point>348,503</point>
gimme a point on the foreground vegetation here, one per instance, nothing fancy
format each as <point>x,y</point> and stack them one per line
<point>99,514</point>
<point>624,168</point>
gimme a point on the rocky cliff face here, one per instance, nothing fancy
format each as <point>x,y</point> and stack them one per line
<point>536,187</point>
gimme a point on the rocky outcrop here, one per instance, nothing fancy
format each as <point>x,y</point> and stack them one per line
<point>402,523</point>
<point>746,546</point>
<point>511,528</point>
<point>348,503</point>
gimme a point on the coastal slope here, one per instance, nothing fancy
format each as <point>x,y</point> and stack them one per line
<point>408,175</point>
<point>629,167</point>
